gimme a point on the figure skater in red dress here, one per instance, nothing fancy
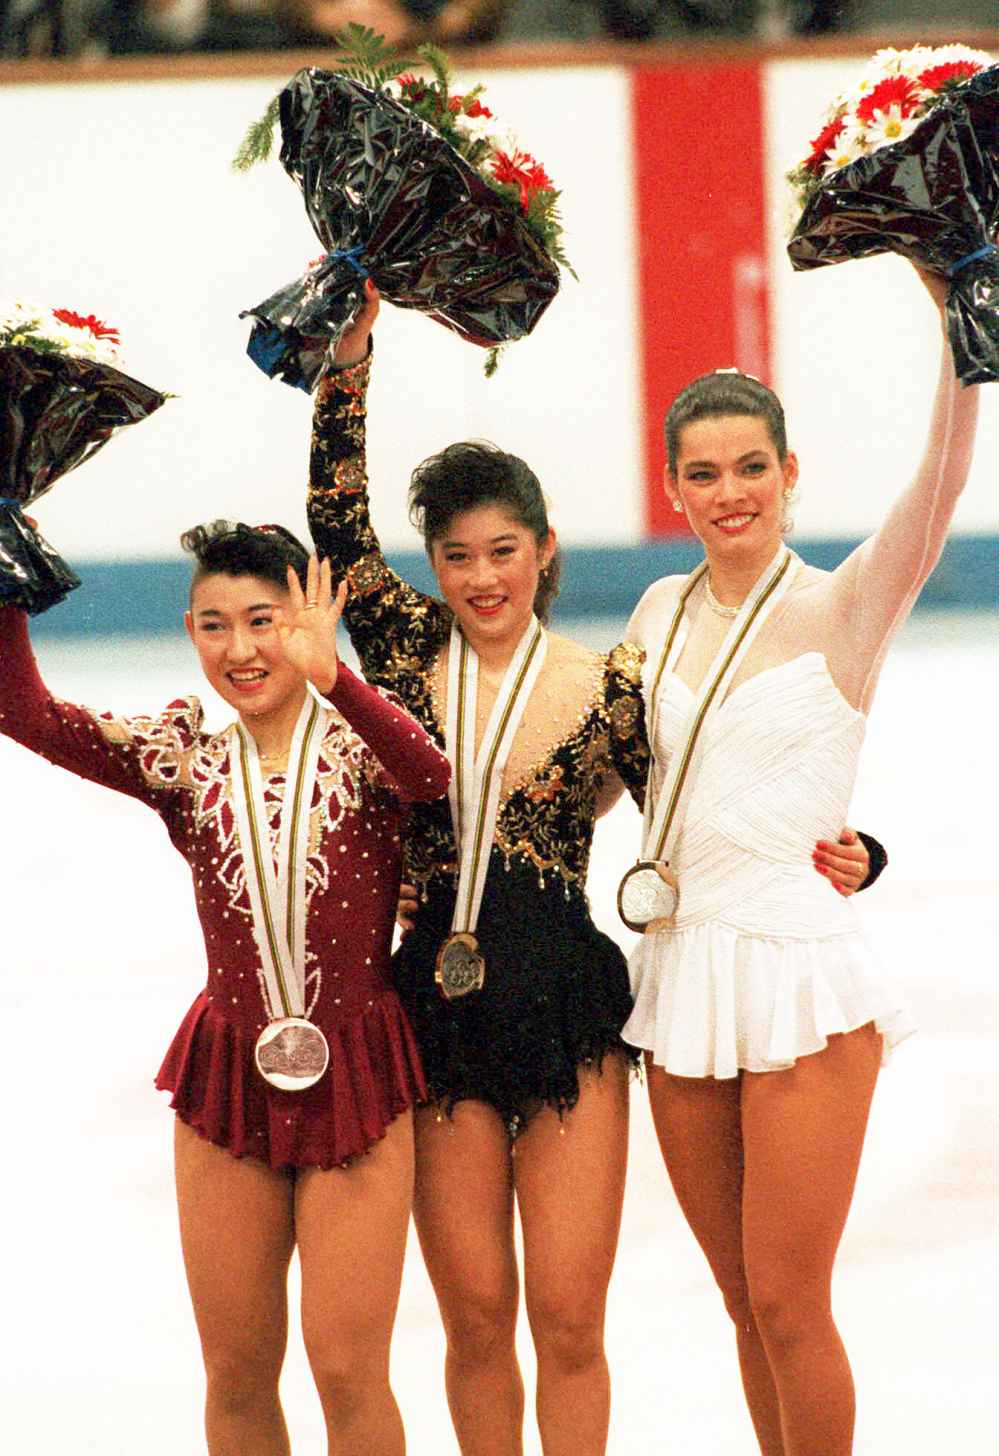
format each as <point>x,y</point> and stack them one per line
<point>298,931</point>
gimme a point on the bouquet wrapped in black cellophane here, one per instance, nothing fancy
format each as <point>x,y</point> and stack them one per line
<point>390,197</point>
<point>932,196</point>
<point>56,410</point>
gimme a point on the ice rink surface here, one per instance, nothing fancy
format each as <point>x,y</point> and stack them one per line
<point>101,957</point>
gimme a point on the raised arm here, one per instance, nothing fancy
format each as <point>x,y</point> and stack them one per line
<point>879,582</point>
<point>387,620</point>
<point>138,757</point>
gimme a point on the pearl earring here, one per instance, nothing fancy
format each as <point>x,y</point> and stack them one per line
<point>677,507</point>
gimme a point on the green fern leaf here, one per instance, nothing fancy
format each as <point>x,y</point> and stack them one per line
<point>368,57</point>
<point>256,144</point>
<point>435,58</point>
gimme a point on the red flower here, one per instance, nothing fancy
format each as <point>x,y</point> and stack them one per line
<point>78,321</point>
<point>471,108</point>
<point>826,138</point>
<point>522,171</point>
<point>459,106</point>
<point>895,91</point>
<point>936,76</point>
<point>412,87</point>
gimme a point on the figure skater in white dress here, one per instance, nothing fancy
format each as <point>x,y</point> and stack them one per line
<point>763,1016</point>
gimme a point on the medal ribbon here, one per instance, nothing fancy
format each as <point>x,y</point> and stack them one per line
<point>277,896</point>
<point>475,780</point>
<point>663,823</point>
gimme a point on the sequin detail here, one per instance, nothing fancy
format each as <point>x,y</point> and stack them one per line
<point>556,991</point>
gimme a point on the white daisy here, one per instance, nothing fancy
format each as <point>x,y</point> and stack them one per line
<point>941,55</point>
<point>476,128</point>
<point>889,126</point>
<point>916,60</point>
<point>850,145</point>
<point>885,62</point>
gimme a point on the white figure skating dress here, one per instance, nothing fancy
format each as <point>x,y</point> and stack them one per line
<point>766,961</point>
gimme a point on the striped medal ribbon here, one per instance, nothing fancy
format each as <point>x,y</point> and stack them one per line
<point>648,894</point>
<point>291,1052</point>
<point>475,789</point>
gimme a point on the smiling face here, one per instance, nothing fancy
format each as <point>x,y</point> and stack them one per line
<point>732,485</point>
<point>231,622</point>
<point>487,564</point>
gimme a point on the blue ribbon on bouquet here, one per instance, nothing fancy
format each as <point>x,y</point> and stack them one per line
<point>982,252</point>
<point>351,256</point>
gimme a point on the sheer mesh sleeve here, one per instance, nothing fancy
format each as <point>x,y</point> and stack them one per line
<point>396,630</point>
<point>873,591</point>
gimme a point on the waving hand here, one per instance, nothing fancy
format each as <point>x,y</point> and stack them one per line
<point>307,625</point>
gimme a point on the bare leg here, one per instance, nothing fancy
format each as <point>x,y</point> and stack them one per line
<point>569,1179</point>
<point>803,1131</point>
<point>237,1234</point>
<point>351,1225</point>
<point>464,1217</point>
<point>698,1123</point>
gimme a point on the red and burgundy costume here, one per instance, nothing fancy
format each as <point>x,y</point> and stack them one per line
<point>374,761</point>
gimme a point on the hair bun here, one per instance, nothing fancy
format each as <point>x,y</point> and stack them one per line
<point>198,537</point>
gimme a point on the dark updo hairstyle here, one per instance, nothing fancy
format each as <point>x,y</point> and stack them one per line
<point>475,473</point>
<point>726,392</point>
<point>231,548</point>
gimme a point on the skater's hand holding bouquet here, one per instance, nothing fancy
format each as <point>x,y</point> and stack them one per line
<point>908,162</point>
<point>412,185</point>
<point>62,396</point>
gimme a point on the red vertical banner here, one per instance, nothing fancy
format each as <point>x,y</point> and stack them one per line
<point>701,237</point>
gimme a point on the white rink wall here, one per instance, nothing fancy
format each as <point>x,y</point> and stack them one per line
<point>136,216</point>
<point>854,349</point>
<point>126,207</point>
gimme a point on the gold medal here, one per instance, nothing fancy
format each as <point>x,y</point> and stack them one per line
<point>461,967</point>
<point>291,1053</point>
<point>647,896</point>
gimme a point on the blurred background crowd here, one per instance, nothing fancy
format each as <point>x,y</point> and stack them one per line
<point>129,27</point>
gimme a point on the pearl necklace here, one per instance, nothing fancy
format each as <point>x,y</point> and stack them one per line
<point>715,604</point>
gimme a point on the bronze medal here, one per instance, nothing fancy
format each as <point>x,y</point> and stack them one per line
<point>461,967</point>
<point>291,1053</point>
<point>647,896</point>
<point>474,791</point>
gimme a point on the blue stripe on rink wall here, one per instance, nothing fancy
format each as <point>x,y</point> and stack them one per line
<point>138,598</point>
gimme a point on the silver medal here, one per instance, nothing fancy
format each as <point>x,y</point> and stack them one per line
<point>291,1053</point>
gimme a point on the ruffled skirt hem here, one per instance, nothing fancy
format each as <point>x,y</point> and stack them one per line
<point>550,1005</point>
<point>374,1074</point>
<point>711,1001</point>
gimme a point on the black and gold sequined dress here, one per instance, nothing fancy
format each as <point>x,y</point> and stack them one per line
<point>556,992</point>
